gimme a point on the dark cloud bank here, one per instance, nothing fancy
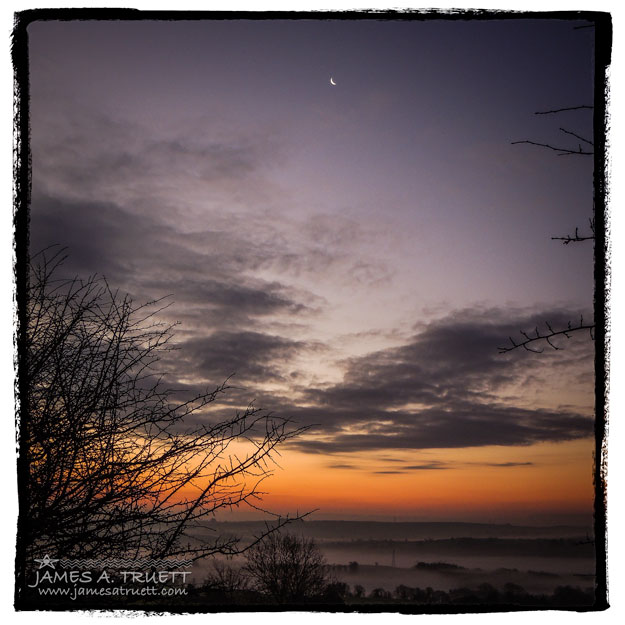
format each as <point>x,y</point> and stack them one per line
<point>446,387</point>
<point>442,390</point>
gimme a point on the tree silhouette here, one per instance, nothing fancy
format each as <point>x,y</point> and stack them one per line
<point>226,579</point>
<point>546,336</point>
<point>112,468</point>
<point>287,568</point>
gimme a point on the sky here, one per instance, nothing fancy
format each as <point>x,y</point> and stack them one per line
<point>355,253</point>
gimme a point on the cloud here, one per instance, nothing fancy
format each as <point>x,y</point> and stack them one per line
<point>206,185</point>
<point>448,387</point>
<point>231,274</point>
<point>133,163</point>
<point>386,472</point>
<point>430,466</point>
<point>507,464</point>
<point>252,356</point>
<point>435,465</point>
<point>145,257</point>
<point>445,387</point>
<point>225,314</point>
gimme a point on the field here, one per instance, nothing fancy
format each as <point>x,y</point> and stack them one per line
<point>370,557</point>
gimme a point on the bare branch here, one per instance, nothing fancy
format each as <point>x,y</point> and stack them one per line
<point>529,342</point>
<point>568,108</point>
<point>576,237</point>
<point>532,339</point>
<point>561,151</point>
<point>113,466</point>
<point>569,132</point>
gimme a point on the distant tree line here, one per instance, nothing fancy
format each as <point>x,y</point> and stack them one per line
<point>289,570</point>
<point>340,593</point>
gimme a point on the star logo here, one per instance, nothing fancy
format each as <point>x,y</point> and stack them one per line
<point>46,561</point>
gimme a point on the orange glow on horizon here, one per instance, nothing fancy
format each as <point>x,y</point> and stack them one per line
<point>451,484</point>
<point>558,478</point>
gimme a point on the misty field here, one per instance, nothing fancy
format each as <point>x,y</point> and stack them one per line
<point>375,557</point>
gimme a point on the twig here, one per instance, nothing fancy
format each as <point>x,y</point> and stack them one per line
<point>568,132</point>
<point>568,108</point>
<point>561,151</point>
<point>569,239</point>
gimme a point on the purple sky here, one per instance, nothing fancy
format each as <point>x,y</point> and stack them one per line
<point>354,253</point>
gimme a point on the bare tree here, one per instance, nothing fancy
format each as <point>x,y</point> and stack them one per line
<point>113,468</point>
<point>226,578</point>
<point>288,568</point>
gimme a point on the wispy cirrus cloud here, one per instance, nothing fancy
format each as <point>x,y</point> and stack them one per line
<point>507,464</point>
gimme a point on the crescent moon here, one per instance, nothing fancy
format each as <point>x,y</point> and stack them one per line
<point>332,81</point>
